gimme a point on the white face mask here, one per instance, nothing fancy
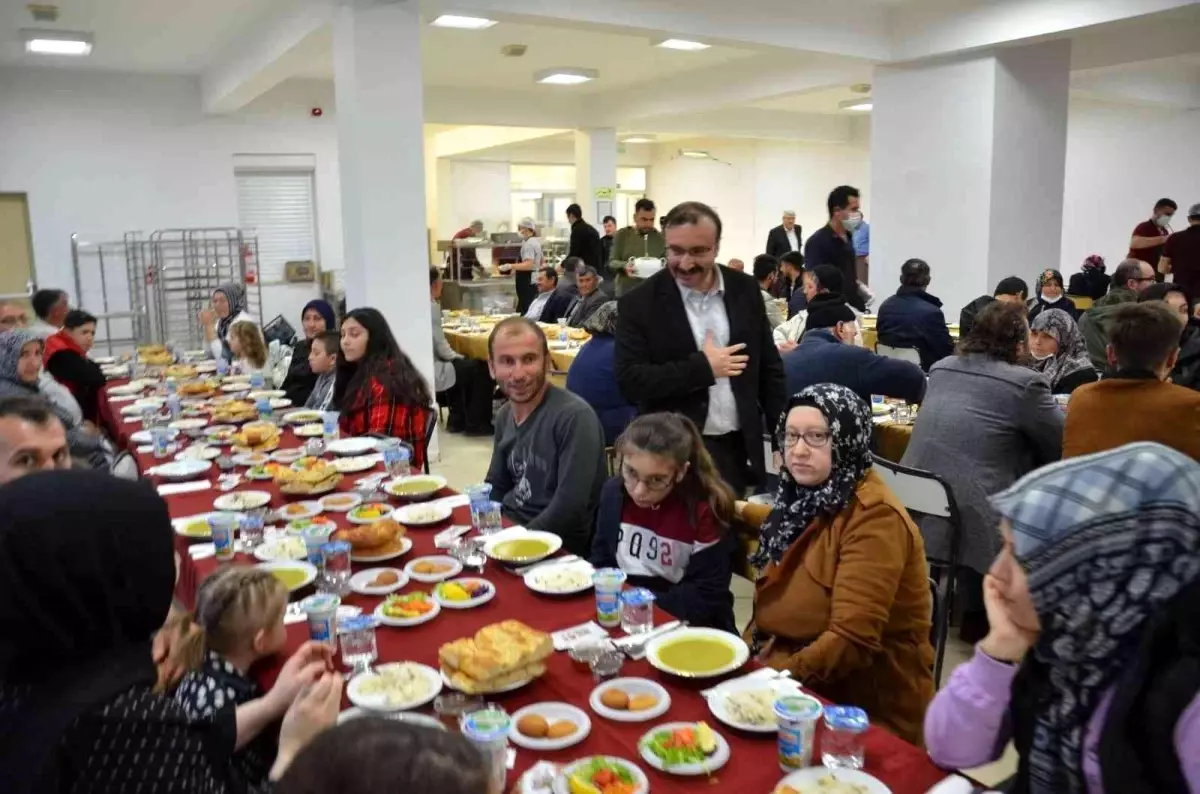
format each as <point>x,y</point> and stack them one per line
<point>852,221</point>
<point>1163,221</point>
<point>1048,299</point>
<point>1036,357</point>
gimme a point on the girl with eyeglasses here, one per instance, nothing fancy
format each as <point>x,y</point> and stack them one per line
<point>664,520</point>
<point>842,599</point>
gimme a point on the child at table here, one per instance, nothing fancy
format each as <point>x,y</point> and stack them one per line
<point>322,360</point>
<point>248,347</point>
<point>664,520</point>
<point>240,613</point>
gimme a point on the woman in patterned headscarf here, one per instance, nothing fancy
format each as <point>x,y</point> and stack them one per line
<point>1091,281</point>
<point>1092,661</point>
<point>1059,351</point>
<point>1050,294</point>
<point>228,307</point>
<point>842,601</point>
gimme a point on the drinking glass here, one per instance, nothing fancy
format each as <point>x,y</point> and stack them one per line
<point>637,610</point>
<point>335,566</point>
<point>329,420</point>
<point>252,529</point>
<point>491,519</point>
<point>842,745</point>
<point>396,457</point>
<point>359,649</point>
<point>469,553</point>
<point>480,497</point>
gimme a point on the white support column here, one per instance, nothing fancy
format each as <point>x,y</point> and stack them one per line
<point>595,169</point>
<point>377,77</point>
<point>967,165</point>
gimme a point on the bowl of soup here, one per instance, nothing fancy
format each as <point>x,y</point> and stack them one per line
<point>697,653</point>
<point>417,486</point>
<point>295,574</point>
<point>519,546</point>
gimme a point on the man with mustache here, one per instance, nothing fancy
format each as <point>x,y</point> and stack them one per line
<point>694,339</point>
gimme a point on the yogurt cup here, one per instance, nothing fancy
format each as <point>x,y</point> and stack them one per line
<point>797,716</point>
<point>608,583</point>
<point>223,527</point>
<point>322,616</point>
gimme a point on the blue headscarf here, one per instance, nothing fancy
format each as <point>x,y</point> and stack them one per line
<point>324,309</point>
<point>1106,541</point>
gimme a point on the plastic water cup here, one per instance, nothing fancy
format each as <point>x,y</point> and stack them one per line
<point>252,527</point>
<point>160,438</point>
<point>480,497</point>
<point>315,536</point>
<point>842,741</point>
<point>263,405</point>
<point>637,611</point>
<point>321,610</point>
<point>222,367</point>
<point>608,583</point>
<point>335,566</point>
<point>223,526</point>
<point>488,730</point>
<point>329,424</point>
<point>397,457</point>
<point>257,381</point>
<point>797,717</point>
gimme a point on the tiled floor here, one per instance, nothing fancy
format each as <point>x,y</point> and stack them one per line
<point>464,461</point>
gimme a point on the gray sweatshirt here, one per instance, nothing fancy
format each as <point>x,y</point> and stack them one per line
<point>548,471</point>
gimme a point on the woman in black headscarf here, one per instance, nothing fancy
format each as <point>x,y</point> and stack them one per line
<point>316,318</point>
<point>84,583</point>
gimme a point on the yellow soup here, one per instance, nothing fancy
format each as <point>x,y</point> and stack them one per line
<point>414,487</point>
<point>520,549</point>
<point>696,655</point>
<point>198,529</point>
<point>291,577</point>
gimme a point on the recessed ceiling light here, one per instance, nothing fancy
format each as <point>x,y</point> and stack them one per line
<point>57,42</point>
<point>461,22</point>
<point>565,76</point>
<point>682,44</point>
<point>863,105</point>
<point>638,139</point>
<point>695,154</point>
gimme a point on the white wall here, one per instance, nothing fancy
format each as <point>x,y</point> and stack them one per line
<point>102,153</point>
<point>751,183</point>
<point>1120,160</point>
<point>470,191</point>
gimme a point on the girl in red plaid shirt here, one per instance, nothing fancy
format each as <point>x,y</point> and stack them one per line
<point>378,389</point>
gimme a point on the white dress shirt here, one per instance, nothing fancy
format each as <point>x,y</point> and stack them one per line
<point>534,312</point>
<point>792,241</point>
<point>706,312</point>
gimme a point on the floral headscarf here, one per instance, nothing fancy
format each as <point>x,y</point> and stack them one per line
<point>11,344</point>
<point>796,506</point>
<point>1106,540</point>
<point>1072,355</point>
<point>1050,275</point>
<point>1094,262</point>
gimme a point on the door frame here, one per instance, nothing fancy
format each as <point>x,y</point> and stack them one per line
<point>28,241</point>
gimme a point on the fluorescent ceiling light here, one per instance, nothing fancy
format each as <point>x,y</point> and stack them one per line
<point>682,44</point>
<point>461,22</point>
<point>565,76</point>
<point>638,139</point>
<point>862,105</point>
<point>57,42</point>
<point>695,154</point>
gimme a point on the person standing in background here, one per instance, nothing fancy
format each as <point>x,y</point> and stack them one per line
<point>1181,254</point>
<point>585,240</point>
<point>862,249</point>
<point>785,237</point>
<point>737,264</point>
<point>832,243</point>
<point>694,339</point>
<point>531,261</point>
<point>1150,236</point>
<point>766,270</point>
<point>463,261</point>
<point>641,240</point>
<point>606,242</point>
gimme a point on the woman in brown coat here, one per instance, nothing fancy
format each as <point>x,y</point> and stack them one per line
<point>842,600</point>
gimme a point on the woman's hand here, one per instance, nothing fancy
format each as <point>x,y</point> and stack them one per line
<point>208,318</point>
<point>1006,641</point>
<point>315,709</point>
<point>303,668</point>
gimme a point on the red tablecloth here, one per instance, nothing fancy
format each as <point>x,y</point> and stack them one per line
<point>753,768</point>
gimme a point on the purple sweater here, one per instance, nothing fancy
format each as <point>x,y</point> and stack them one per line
<point>963,724</point>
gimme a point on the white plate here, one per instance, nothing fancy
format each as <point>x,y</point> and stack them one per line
<point>431,578</point>
<point>432,479</point>
<point>717,700</point>
<point>334,503</point>
<point>233,388</point>
<point>309,509</point>
<point>104,360</point>
<point>376,702</point>
<point>310,570</point>
<point>133,387</point>
<point>150,402</point>
<point>251,459</point>
<point>279,403</point>
<point>237,378</point>
<point>812,776</point>
<point>243,500</point>
<point>514,686</point>
<point>287,456</point>
<point>741,652</point>
<point>281,548</point>
<point>188,424</point>
<point>309,431</point>
<point>268,393</point>
<point>552,713</point>
<point>631,687</point>
<point>131,410</point>
<point>352,446</point>
<point>199,452</point>
<point>553,544</point>
<point>640,781</point>
<point>144,437</point>
<point>406,622</point>
<point>302,417</point>
<point>422,515</point>
<point>405,548</point>
<point>469,603</point>
<point>718,759</point>
<point>205,366</point>
<point>181,469</point>
<point>353,519</point>
<point>412,718</point>
<point>359,581</point>
<point>534,580</point>
<point>355,464</point>
<point>180,526</point>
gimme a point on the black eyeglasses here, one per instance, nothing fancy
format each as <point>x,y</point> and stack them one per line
<point>814,439</point>
<point>659,482</point>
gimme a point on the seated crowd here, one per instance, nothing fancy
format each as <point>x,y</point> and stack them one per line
<point>1078,525</point>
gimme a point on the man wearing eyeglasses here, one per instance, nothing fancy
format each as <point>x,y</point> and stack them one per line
<point>694,338</point>
<point>1128,281</point>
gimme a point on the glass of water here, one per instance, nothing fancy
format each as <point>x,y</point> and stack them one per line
<point>491,518</point>
<point>359,649</point>
<point>397,457</point>
<point>252,529</point>
<point>842,741</point>
<point>335,566</point>
<point>637,610</point>
<point>480,496</point>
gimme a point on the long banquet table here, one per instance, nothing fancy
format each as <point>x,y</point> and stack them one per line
<point>752,769</point>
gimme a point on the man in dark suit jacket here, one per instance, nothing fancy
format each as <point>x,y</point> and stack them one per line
<point>694,338</point>
<point>585,240</point>
<point>785,237</point>
<point>913,318</point>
